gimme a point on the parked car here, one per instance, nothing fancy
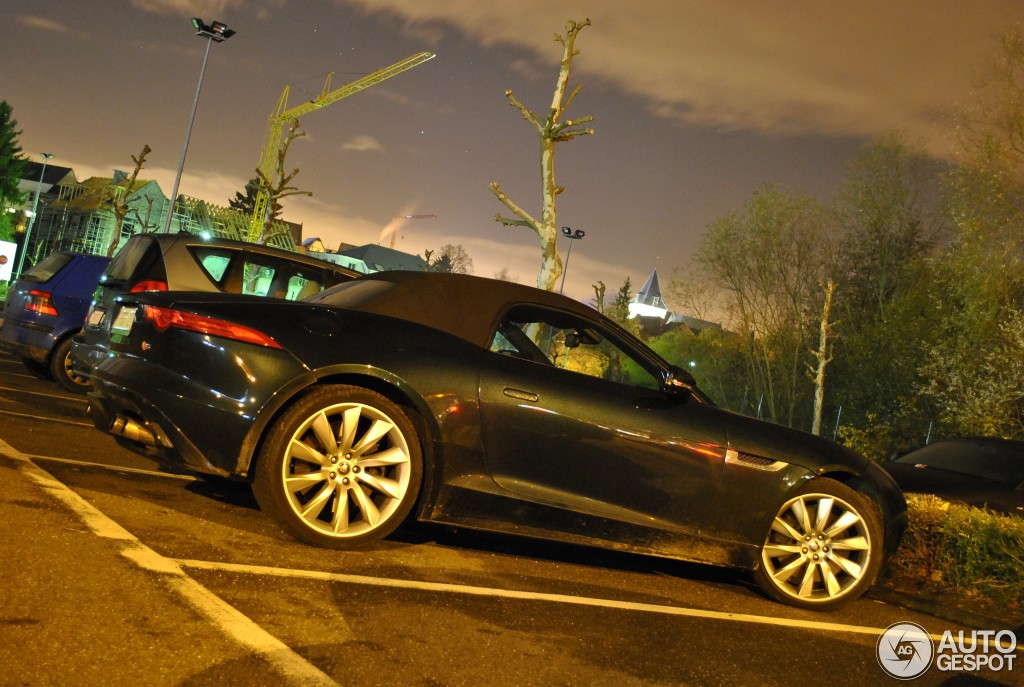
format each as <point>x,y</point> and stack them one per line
<point>45,307</point>
<point>489,405</point>
<point>187,262</point>
<point>981,472</point>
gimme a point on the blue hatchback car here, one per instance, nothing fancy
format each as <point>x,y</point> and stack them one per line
<point>45,308</point>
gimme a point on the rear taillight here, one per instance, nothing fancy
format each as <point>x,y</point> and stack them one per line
<point>40,302</point>
<point>163,319</point>
<point>149,285</point>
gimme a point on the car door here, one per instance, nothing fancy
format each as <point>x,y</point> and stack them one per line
<point>577,420</point>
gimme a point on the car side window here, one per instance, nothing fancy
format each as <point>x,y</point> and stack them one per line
<point>571,343</point>
<point>214,260</point>
<point>274,277</point>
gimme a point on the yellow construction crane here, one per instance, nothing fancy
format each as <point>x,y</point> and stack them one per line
<point>283,115</point>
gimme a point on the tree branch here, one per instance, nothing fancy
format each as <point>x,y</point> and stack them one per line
<point>527,113</point>
<point>527,219</point>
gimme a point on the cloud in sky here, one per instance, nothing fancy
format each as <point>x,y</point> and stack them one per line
<point>845,69</point>
<point>42,24</point>
<point>363,144</point>
<point>190,8</point>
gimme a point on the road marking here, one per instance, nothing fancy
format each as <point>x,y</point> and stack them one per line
<point>232,622</point>
<point>48,418</point>
<point>116,468</point>
<point>159,563</point>
<point>63,397</point>
<point>531,596</point>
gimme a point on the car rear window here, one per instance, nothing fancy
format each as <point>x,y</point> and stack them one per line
<point>354,294</point>
<point>138,259</point>
<point>45,270</point>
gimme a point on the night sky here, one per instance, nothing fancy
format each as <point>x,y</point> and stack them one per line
<point>696,105</point>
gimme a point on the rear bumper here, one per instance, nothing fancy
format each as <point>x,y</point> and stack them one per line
<point>85,356</point>
<point>27,339</point>
<point>173,418</point>
<point>195,428</point>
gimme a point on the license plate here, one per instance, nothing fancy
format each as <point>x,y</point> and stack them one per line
<point>96,317</point>
<point>124,321</point>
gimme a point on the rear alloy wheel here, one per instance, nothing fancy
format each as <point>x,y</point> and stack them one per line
<point>60,369</point>
<point>824,547</point>
<point>341,468</point>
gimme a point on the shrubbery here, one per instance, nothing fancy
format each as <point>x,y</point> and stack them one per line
<point>970,551</point>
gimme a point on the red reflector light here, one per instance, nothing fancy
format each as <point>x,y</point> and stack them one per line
<point>149,285</point>
<point>40,302</point>
<point>165,318</point>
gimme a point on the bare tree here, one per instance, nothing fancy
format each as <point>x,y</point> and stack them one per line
<point>120,200</point>
<point>280,188</point>
<point>551,130</point>
<point>504,275</point>
<point>451,258</point>
<point>599,291</point>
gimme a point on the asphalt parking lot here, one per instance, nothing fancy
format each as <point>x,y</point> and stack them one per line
<point>119,571</point>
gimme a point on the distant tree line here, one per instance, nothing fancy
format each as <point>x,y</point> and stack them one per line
<point>926,261</point>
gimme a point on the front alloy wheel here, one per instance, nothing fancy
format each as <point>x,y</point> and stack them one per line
<point>824,547</point>
<point>342,467</point>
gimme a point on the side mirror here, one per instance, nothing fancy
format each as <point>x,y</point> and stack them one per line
<point>679,380</point>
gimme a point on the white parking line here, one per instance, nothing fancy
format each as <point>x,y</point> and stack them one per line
<point>63,397</point>
<point>48,418</point>
<point>480,591</point>
<point>533,596</point>
<point>115,468</point>
<point>294,668</point>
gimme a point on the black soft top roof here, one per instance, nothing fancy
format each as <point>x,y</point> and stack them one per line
<point>462,305</point>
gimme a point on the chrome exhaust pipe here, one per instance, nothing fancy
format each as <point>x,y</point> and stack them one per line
<point>133,431</point>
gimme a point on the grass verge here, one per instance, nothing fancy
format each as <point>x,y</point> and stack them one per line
<point>961,553</point>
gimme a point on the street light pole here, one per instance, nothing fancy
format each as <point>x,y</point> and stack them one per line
<point>572,236</point>
<point>215,32</point>
<point>32,222</point>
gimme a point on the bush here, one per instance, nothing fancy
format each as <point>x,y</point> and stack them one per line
<point>973,552</point>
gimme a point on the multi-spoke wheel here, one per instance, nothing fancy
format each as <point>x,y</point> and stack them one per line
<point>60,369</point>
<point>342,467</point>
<point>824,547</point>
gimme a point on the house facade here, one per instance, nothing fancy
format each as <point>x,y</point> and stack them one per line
<point>80,215</point>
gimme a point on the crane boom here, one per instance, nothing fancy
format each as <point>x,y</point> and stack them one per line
<point>282,114</point>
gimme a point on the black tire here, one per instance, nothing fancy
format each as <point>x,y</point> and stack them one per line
<point>824,548</point>
<point>60,369</point>
<point>341,468</point>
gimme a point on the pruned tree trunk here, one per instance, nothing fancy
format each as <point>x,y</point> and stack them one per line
<point>551,130</point>
<point>279,188</point>
<point>121,202</point>
<point>824,356</point>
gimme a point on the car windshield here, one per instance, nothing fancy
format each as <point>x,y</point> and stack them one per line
<point>44,271</point>
<point>999,461</point>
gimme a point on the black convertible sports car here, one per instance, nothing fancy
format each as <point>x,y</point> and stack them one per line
<point>488,405</point>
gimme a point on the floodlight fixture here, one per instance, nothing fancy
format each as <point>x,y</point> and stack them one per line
<point>572,235</point>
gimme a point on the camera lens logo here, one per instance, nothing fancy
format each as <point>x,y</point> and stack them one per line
<point>905,650</point>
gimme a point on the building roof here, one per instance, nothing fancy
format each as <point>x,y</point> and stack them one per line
<point>381,259</point>
<point>55,174</point>
<point>93,195</point>
<point>650,293</point>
